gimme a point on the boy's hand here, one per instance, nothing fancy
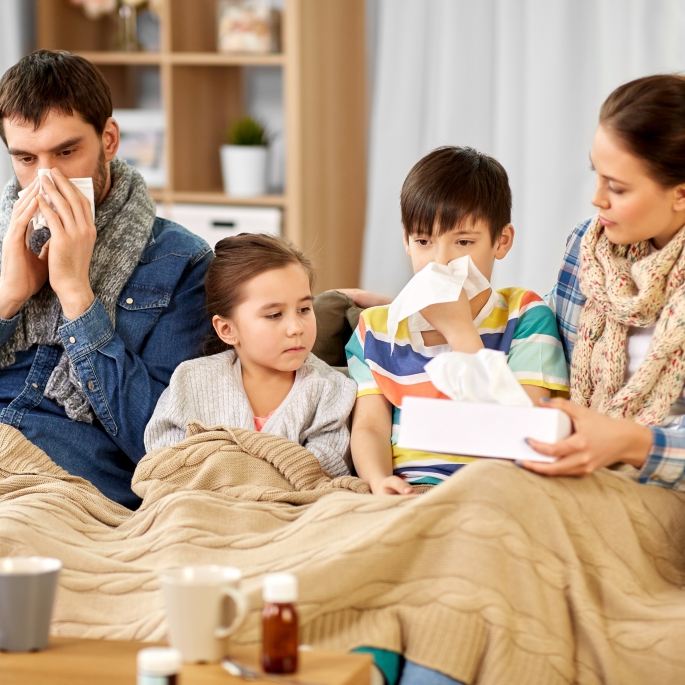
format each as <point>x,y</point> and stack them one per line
<point>392,485</point>
<point>454,320</point>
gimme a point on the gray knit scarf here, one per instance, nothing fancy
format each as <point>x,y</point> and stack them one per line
<point>124,223</point>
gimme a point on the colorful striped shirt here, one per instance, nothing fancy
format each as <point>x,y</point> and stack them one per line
<point>514,321</point>
<point>665,465</point>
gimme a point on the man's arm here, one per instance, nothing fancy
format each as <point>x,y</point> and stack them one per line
<point>371,448</point>
<point>123,387</point>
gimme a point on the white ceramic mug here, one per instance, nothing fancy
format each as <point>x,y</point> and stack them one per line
<point>199,618</point>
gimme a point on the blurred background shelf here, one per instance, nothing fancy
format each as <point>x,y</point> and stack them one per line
<point>318,82</point>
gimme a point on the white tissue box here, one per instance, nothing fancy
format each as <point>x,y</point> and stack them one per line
<point>479,430</point>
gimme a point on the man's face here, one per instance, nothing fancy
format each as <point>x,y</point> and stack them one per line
<point>65,142</point>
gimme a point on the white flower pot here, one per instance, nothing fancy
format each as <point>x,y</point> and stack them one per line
<point>243,168</point>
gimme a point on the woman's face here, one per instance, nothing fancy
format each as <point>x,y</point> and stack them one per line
<point>632,205</point>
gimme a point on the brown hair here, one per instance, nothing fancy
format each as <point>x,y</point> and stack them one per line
<point>239,259</point>
<point>44,81</point>
<point>648,115</point>
<point>451,185</point>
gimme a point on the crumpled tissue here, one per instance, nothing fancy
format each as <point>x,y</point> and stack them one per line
<point>85,185</point>
<point>434,284</point>
<point>481,377</point>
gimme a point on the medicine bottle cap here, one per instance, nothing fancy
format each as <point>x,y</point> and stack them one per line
<point>159,661</point>
<point>280,588</point>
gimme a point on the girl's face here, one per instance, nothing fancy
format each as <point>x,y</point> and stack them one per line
<point>632,206</point>
<point>274,326</point>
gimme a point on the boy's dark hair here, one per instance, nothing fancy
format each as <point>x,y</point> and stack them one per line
<point>44,81</point>
<point>451,185</point>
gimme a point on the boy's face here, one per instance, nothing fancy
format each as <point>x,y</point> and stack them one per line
<point>471,238</point>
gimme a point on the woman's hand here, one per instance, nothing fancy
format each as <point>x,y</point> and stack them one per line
<point>392,485</point>
<point>365,299</point>
<point>598,441</point>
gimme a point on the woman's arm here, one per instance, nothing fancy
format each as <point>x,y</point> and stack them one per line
<point>371,448</point>
<point>597,441</point>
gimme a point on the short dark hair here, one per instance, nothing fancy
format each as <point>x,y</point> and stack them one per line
<point>44,81</point>
<point>648,116</point>
<point>451,185</point>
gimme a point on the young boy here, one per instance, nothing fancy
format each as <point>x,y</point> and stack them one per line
<point>455,202</point>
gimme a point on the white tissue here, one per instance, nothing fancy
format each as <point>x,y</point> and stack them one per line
<point>85,185</point>
<point>481,377</point>
<point>434,284</point>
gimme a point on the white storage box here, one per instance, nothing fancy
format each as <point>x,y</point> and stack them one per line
<point>479,430</point>
<point>214,222</point>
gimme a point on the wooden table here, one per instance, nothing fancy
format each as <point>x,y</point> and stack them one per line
<point>106,662</point>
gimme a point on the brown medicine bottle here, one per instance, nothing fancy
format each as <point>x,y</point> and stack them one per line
<point>279,624</point>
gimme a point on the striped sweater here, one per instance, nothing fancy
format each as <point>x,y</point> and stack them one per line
<point>514,321</point>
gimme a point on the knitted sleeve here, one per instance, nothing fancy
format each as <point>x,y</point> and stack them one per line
<point>328,437</point>
<point>167,426</point>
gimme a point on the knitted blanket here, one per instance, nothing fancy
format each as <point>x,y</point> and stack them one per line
<point>495,576</point>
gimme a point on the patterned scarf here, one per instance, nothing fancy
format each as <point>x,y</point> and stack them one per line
<point>627,286</point>
<point>123,222</point>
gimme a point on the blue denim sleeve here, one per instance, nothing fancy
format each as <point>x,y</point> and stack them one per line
<point>123,387</point>
<point>7,327</point>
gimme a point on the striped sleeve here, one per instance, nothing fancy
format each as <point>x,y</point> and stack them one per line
<point>536,355</point>
<point>359,369</point>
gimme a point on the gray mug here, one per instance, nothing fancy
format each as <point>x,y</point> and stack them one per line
<point>27,593</point>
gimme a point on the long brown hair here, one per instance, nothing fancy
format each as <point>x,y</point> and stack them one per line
<point>238,260</point>
<point>648,116</point>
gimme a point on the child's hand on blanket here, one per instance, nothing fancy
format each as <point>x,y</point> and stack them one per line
<point>392,485</point>
<point>597,441</point>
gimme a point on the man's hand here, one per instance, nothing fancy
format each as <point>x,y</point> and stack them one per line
<point>23,273</point>
<point>71,244</point>
<point>392,485</point>
<point>598,441</point>
<point>454,320</point>
<point>365,299</point>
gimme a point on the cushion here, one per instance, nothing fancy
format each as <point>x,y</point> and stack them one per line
<point>336,318</point>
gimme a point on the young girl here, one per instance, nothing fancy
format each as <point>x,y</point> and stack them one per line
<point>262,376</point>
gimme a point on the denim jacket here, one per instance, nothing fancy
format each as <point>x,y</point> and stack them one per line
<point>124,369</point>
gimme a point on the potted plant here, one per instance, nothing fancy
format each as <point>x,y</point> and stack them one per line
<point>243,158</point>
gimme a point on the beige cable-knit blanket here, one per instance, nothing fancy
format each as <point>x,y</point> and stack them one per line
<point>496,576</point>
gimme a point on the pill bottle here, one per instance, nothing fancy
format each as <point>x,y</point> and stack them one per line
<point>279,624</point>
<point>159,666</point>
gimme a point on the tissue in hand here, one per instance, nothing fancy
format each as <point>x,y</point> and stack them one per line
<point>481,377</point>
<point>85,185</point>
<point>434,284</point>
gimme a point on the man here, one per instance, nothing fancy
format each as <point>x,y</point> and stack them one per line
<point>94,315</point>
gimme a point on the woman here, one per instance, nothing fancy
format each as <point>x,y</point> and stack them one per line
<point>620,298</point>
<point>620,305</point>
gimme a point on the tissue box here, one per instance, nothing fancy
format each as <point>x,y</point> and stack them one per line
<point>479,430</point>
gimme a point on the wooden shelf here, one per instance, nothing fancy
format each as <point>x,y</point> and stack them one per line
<point>208,59</point>
<point>203,91</point>
<point>200,59</point>
<point>222,199</point>
<point>122,58</point>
